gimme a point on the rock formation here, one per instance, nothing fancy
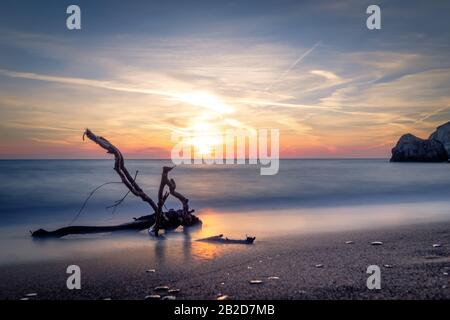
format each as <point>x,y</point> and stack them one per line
<point>436,148</point>
<point>410,148</point>
<point>442,134</point>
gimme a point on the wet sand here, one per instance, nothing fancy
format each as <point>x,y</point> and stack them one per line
<point>411,268</point>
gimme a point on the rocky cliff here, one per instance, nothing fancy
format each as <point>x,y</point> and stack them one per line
<point>436,148</point>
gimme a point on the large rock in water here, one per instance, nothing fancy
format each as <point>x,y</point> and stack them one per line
<point>410,148</point>
<point>442,134</point>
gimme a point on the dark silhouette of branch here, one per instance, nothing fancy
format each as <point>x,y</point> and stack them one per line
<point>117,203</point>
<point>119,167</point>
<point>89,197</point>
<point>154,222</point>
<point>133,187</point>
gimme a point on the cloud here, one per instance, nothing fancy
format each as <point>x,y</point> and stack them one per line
<point>292,66</point>
<point>140,90</point>
<point>326,74</point>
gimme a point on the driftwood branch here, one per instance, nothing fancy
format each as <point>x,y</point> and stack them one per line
<point>117,203</point>
<point>89,197</point>
<point>163,195</point>
<point>221,239</point>
<point>154,222</point>
<point>119,167</point>
<point>173,219</point>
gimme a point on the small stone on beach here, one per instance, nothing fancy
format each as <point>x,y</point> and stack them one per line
<point>388,266</point>
<point>377,243</point>
<point>150,271</point>
<point>256,282</point>
<point>174,291</point>
<point>153,297</point>
<point>349,242</point>
<point>273,278</point>
<point>31,295</point>
<point>319,265</point>
<point>437,245</point>
<point>222,297</point>
<point>248,267</point>
<point>169,298</point>
<point>161,288</point>
<point>24,299</point>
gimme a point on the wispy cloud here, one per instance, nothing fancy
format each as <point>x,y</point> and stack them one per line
<point>292,66</point>
<point>325,74</point>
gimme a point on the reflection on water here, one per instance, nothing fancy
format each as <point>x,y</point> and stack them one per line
<point>180,247</point>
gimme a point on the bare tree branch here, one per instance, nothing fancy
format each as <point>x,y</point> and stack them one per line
<point>119,167</point>
<point>158,220</point>
<point>117,203</point>
<point>89,197</point>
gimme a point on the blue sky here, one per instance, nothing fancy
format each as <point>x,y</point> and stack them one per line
<point>140,70</point>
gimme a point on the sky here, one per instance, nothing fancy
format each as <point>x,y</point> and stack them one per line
<point>139,71</point>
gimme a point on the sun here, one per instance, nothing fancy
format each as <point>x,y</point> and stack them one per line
<point>206,100</point>
<point>205,138</point>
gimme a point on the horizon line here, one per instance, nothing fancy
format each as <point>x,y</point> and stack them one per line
<point>168,159</point>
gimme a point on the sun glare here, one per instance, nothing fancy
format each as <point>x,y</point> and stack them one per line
<point>204,138</point>
<point>206,100</point>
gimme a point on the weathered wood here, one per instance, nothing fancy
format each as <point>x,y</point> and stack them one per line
<point>165,181</point>
<point>154,222</point>
<point>119,167</point>
<point>219,238</point>
<point>136,225</point>
<point>170,220</point>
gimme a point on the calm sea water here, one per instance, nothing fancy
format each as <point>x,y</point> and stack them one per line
<point>49,193</point>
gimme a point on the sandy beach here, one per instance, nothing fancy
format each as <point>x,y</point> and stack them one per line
<point>314,266</point>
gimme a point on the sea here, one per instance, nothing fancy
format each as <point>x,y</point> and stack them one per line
<point>306,196</point>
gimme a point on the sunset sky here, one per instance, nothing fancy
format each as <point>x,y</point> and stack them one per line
<point>140,70</point>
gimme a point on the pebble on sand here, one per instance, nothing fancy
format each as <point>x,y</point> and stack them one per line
<point>161,288</point>
<point>31,295</point>
<point>437,245</point>
<point>376,243</point>
<point>222,297</point>
<point>349,242</point>
<point>150,271</point>
<point>319,265</point>
<point>153,297</point>
<point>256,282</point>
<point>24,299</point>
<point>169,298</point>
<point>174,291</point>
<point>273,278</point>
<point>387,266</point>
